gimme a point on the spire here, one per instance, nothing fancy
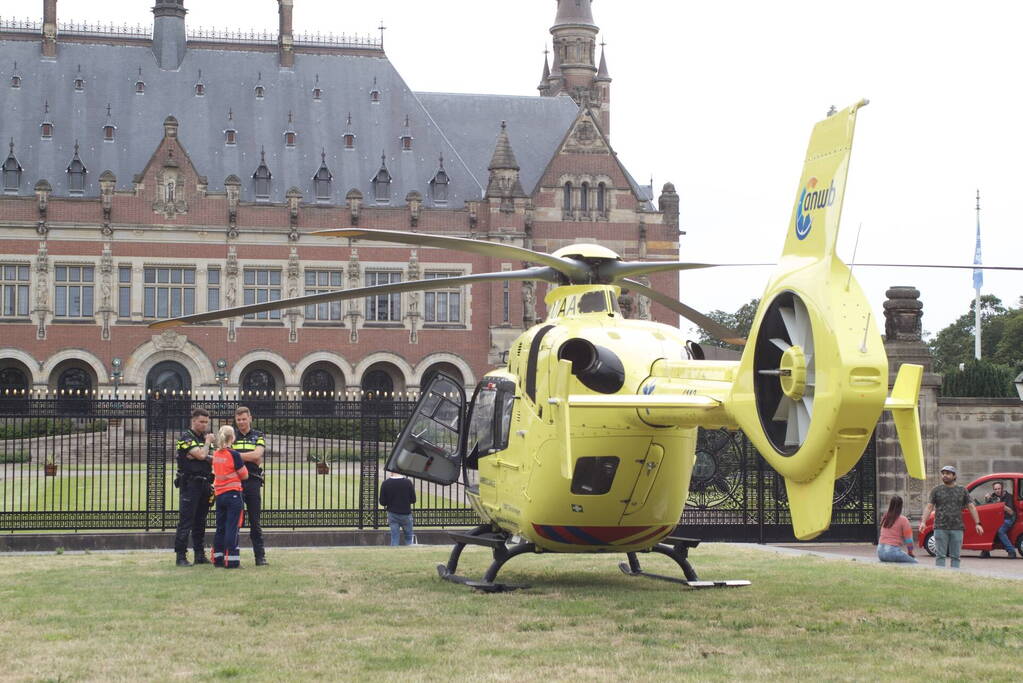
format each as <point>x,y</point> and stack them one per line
<point>504,170</point>
<point>574,13</point>
<point>602,74</point>
<point>504,157</point>
<point>544,86</point>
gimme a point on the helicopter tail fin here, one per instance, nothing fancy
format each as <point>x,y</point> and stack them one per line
<point>813,377</point>
<point>903,404</point>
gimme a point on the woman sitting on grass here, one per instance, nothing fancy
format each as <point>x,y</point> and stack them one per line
<point>895,532</point>
<point>228,472</point>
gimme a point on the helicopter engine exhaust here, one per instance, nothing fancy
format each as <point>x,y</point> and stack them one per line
<point>598,368</point>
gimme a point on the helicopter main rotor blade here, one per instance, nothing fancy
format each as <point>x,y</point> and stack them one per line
<point>535,273</point>
<point>716,329</point>
<point>933,265</point>
<point>573,269</point>
<point>614,271</point>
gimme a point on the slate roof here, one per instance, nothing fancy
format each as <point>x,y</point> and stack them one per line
<point>536,126</point>
<point>462,128</point>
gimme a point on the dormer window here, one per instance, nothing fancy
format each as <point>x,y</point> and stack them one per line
<point>289,138</point>
<point>140,87</point>
<point>374,94</point>
<point>46,130</point>
<point>15,81</point>
<point>12,173</point>
<point>76,174</point>
<point>262,178</point>
<point>79,84</point>
<point>200,89</point>
<point>382,183</point>
<point>260,91</point>
<point>230,136</point>
<point>108,133</point>
<point>349,141</point>
<point>322,179</point>
<point>439,185</point>
<point>317,93</point>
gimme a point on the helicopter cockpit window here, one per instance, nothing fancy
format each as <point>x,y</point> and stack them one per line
<point>594,476</point>
<point>593,302</point>
<point>490,417</point>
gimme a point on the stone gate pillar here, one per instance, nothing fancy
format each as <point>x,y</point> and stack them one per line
<point>904,344</point>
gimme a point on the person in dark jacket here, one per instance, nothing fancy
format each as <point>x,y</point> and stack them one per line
<point>195,473</point>
<point>397,495</point>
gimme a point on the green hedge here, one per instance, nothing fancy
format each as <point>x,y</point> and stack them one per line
<point>980,378</point>
<point>14,457</point>
<point>318,428</point>
<point>41,426</point>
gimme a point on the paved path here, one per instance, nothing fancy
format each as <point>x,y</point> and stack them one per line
<point>997,566</point>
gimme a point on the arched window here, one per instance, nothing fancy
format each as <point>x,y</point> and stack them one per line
<point>377,384</point>
<point>567,200</point>
<point>140,86</point>
<point>601,199</point>
<point>168,378</point>
<point>584,198</point>
<point>12,381</point>
<point>260,91</point>
<point>259,382</point>
<point>439,187</point>
<point>74,391</point>
<point>317,392</point>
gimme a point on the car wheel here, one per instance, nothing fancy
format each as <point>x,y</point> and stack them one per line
<point>1019,545</point>
<point>929,544</point>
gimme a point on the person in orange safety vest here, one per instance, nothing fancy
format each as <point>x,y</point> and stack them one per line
<point>228,472</point>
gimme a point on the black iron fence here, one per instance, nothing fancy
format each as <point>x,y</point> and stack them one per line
<point>80,464</point>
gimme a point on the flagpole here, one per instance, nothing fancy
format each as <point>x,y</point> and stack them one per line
<point>978,282</point>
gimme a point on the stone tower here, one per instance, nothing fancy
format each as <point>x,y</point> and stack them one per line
<point>575,71</point>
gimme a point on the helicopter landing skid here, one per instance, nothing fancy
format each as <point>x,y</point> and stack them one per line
<point>485,536</point>
<point>678,550</point>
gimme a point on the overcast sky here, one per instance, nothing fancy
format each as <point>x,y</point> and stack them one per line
<point>720,97</point>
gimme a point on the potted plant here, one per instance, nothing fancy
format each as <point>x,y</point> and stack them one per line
<point>50,467</point>
<point>321,465</point>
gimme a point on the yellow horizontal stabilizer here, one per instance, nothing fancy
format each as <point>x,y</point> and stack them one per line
<point>810,502</point>
<point>903,404</point>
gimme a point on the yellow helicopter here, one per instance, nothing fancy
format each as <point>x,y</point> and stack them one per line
<point>585,441</point>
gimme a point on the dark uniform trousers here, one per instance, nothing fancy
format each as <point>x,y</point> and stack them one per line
<point>252,496</point>
<point>194,504</point>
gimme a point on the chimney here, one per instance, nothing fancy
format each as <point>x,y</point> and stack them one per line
<point>169,33</point>
<point>286,39</point>
<point>49,28</point>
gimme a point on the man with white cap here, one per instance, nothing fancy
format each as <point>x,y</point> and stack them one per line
<point>948,502</point>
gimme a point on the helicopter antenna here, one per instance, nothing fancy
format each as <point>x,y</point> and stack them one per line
<point>866,330</point>
<point>856,246</point>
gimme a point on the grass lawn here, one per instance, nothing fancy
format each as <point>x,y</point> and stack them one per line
<point>382,614</point>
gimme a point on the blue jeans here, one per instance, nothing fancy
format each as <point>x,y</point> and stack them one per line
<point>1003,536</point>
<point>225,542</point>
<point>891,553</point>
<point>947,543</point>
<point>399,523</point>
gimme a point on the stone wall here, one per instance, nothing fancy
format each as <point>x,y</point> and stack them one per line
<point>980,436</point>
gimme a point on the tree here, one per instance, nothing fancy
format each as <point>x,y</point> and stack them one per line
<point>740,321</point>
<point>954,345</point>
<point>979,378</point>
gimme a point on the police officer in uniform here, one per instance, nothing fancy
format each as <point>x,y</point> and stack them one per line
<point>195,475</point>
<point>251,445</point>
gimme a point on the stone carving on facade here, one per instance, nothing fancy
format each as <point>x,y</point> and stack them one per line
<point>231,288</point>
<point>42,289</point>
<point>169,340</point>
<point>643,307</point>
<point>586,139</point>
<point>354,271</point>
<point>294,313</point>
<point>528,303</point>
<point>170,183</point>
<point>413,315</point>
<point>902,313</point>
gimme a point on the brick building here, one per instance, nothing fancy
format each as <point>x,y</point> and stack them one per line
<point>157,173</point>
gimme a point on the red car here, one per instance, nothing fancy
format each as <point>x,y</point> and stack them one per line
<point>991,515</point>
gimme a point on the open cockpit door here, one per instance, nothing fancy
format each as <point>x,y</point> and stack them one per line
<point>428,447</point>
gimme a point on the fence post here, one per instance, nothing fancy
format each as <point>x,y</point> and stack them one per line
<point>369,443</point>
<point>156,465</point>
